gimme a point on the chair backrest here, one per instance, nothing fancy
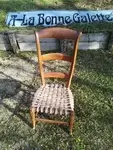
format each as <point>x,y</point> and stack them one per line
<point>58,33</point>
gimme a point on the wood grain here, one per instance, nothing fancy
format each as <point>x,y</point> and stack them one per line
<point>56,75</point>
<point>56,56</point>
<point>52,121</point>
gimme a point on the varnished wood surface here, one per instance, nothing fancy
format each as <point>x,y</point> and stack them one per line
<point>58,33</point>
<point>56,56</point>
<point>55,75</point>
<point>52,121</point>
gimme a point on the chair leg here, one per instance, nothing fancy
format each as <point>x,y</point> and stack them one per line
<point>71,121</point>
<point>33,117</point>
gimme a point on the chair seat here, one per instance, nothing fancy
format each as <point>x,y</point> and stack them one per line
<point>53,99</point>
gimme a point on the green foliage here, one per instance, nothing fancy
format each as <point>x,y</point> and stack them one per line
<point>93,27</point>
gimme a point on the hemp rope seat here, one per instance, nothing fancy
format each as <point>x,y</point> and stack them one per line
<point>55,98</point>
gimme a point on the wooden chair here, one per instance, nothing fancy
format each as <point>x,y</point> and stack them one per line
<point>55,98</point>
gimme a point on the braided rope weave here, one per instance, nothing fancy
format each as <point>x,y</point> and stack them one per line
<point>53,99</point>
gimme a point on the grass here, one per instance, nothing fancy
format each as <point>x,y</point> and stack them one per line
<point>27,5</point>
<point>93,94</point>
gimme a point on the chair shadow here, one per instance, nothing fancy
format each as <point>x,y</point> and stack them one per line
<point>16,112</point>
<point>22,108</point>
<point>9,88</point>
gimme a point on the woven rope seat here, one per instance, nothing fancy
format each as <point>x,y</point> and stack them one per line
<point>53,99</point>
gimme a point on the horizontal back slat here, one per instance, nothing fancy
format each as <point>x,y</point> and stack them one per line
<point>56,56</point>
<point>58,33</point>
<point>55,75</point>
